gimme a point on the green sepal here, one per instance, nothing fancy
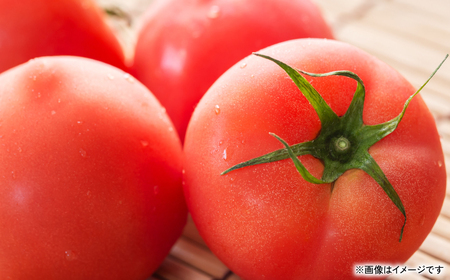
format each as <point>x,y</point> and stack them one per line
<point>325,113</point>
<point>375,133</point>
<point>304,148</point>
<point>373,169</point>
<point>300,167</point>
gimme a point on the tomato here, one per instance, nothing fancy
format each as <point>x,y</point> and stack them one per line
<point>185,45</point>
<point>265,221</point>
<point>33,28</point>
<point>90,177</point>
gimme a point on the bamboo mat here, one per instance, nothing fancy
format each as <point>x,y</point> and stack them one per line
<point>413,36</point>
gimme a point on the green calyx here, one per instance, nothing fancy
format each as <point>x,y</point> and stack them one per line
<point>343,142</point>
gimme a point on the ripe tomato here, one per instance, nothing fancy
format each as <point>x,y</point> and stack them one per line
<point>90,177</point>
<point>33,28</point>
<point>185,45</point>
<point>264,221</point>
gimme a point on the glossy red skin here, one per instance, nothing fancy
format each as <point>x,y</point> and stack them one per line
<point>185,45</point>
<point>90,177</point>
<point>34,28</point>
<point>265,221</point>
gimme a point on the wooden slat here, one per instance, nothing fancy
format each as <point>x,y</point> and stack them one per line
<point>446,146</point>
<point>446,207</point>
<point>444,128</point>
<point>405,20</point>
<point>404,53</point>
<point>233,277</point>
<point>442,227</point>
<point>337,11</point>
<point>395,40</point>
<point>434,9</point>
<point>437,246</point>
<point>199,257</point>
<point>173,269</point>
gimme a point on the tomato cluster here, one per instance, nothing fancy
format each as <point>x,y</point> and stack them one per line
<point>299,162</point>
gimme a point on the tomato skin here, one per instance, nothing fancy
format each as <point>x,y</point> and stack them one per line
<point>34,28</point>
<point>90,184</point>
<point>185,45</point>
<point>265,221</point>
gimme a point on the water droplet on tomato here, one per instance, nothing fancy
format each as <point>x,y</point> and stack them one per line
<point>70,255</point>
<point>170,128</point>
<point>53,112</point>
<point>243,65</point>
<point>224,155</point>
<point>79,122</point>
<point>59,100</point>
<point>13,174</point>
<point>183,171</point>
<point>155,190</point>
<point>110,76</point>
<point>19,149</point>
<point>214,12</point>
<point>439,163</point>
<point>82,153</point>
<point>128,77</point>
<point>217,109</point>
<point>220,142</point>
<point>144,143</point>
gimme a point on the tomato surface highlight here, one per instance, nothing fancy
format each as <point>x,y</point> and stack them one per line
<point>265,221</point>
<point>34,28</point>
<point>90,177</point>
<point>185,45</point>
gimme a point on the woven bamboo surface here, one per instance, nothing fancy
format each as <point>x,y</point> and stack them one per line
<point>413,36</point>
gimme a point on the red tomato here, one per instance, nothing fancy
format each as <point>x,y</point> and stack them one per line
<point>185,45</point>
<point>90,177</point>
<point>266,222</point>
<point>33,28</point>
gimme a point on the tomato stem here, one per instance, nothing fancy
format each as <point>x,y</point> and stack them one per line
<point>342,144</point>
<point>339,147</point>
